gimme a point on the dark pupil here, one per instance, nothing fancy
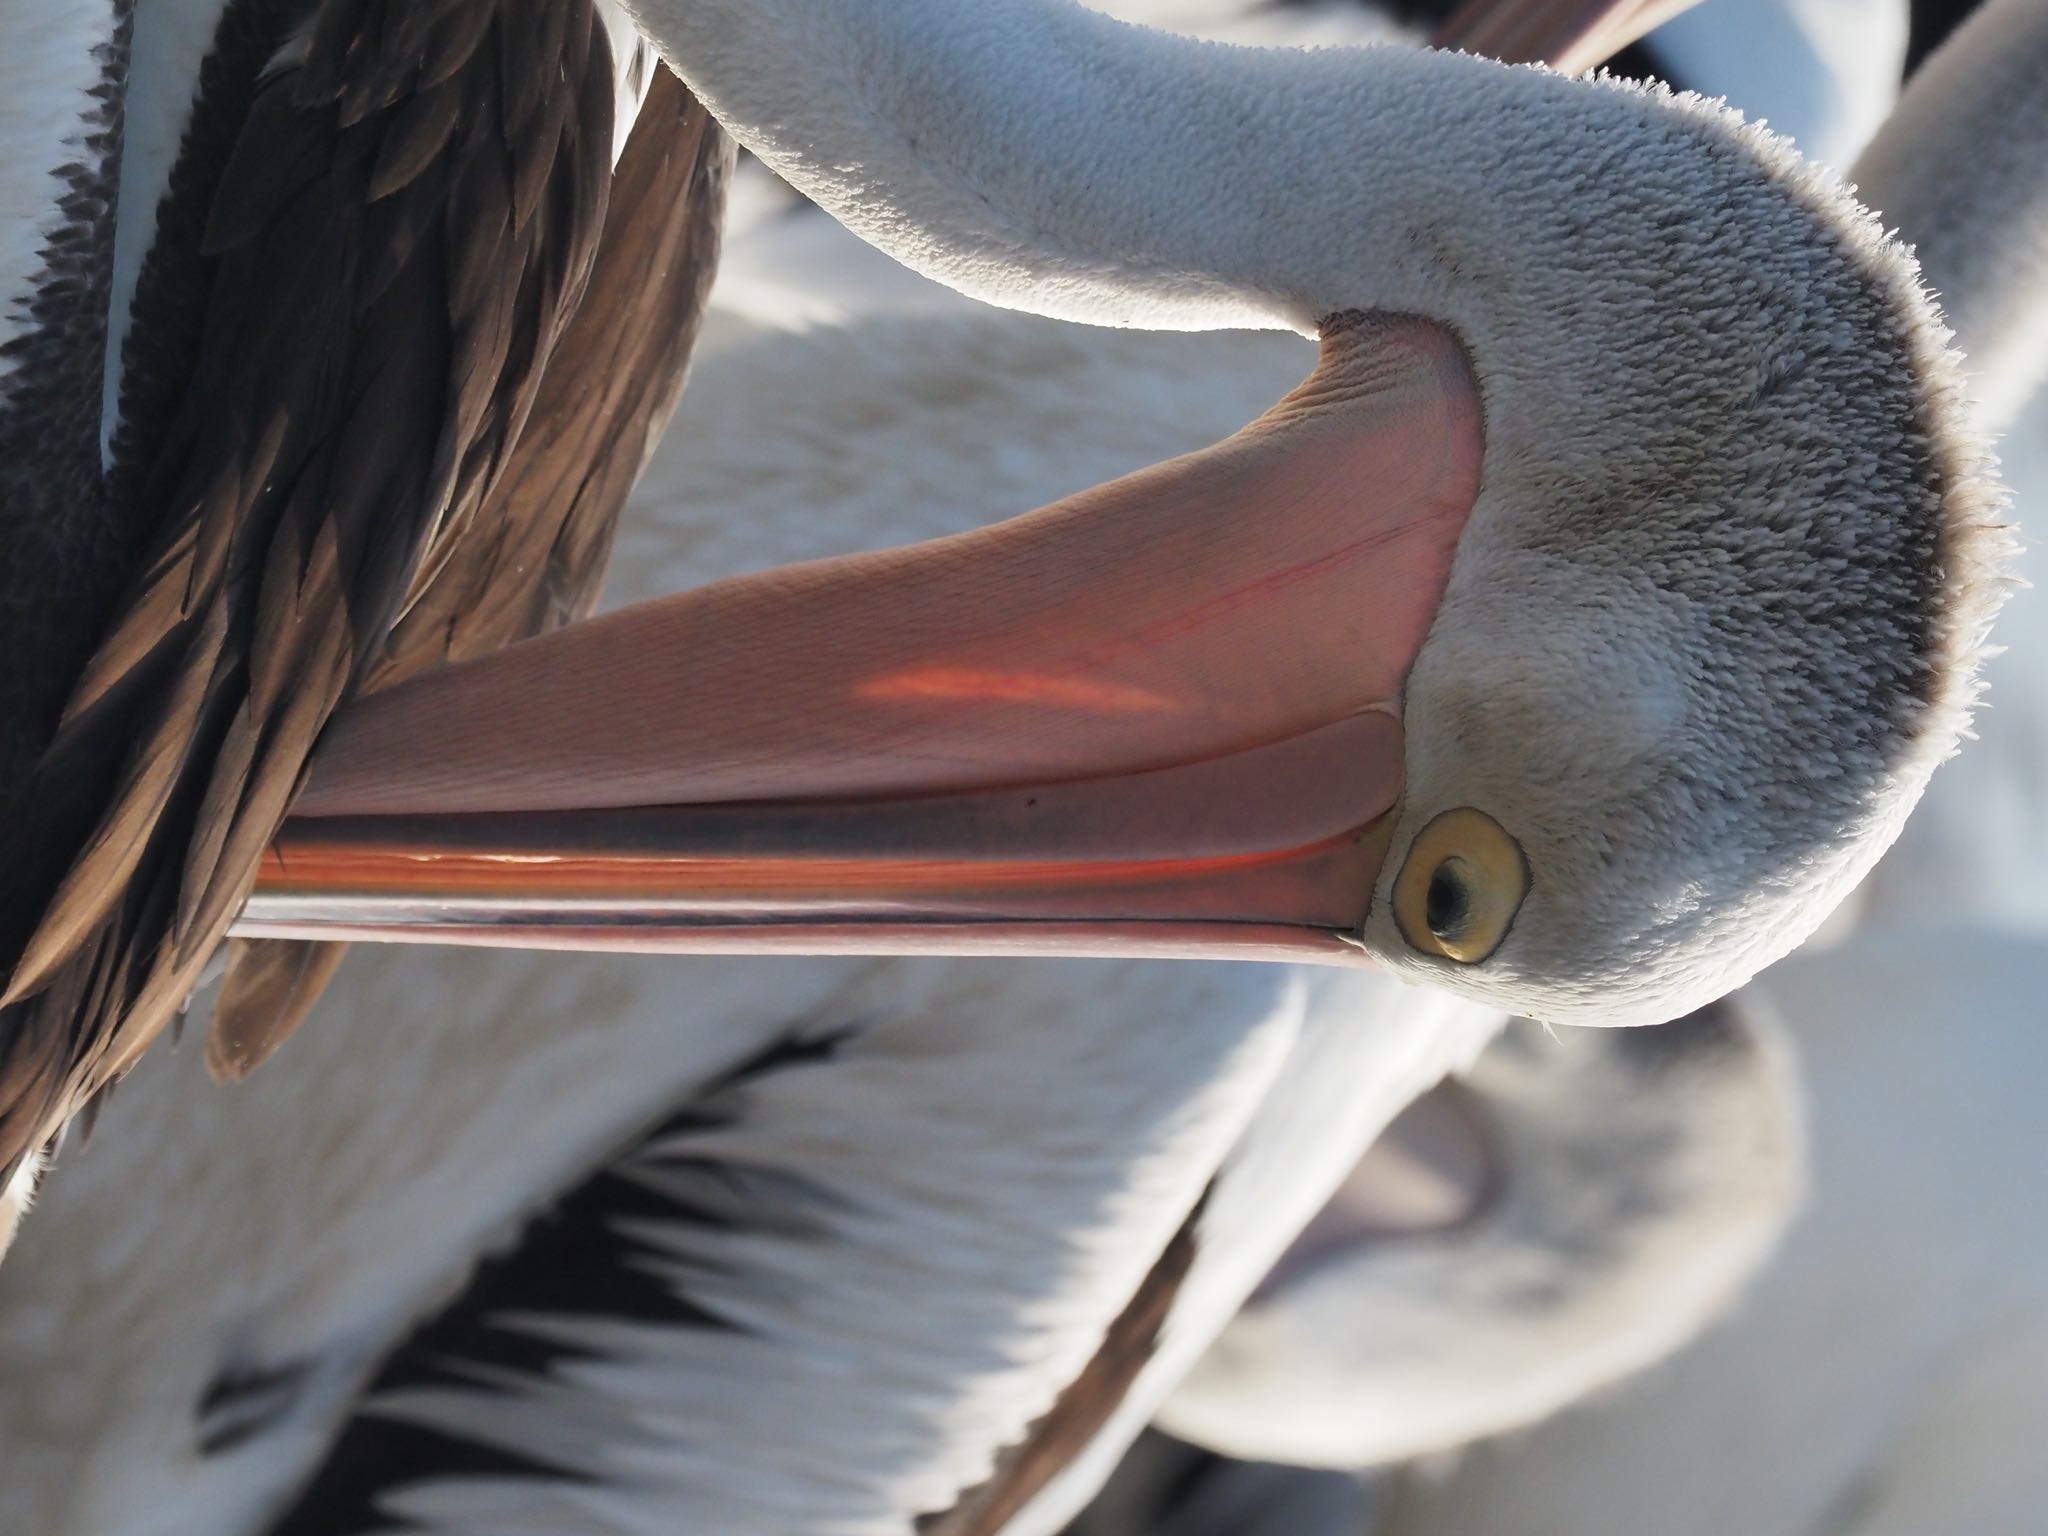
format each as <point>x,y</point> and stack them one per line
<point>1448,903</point>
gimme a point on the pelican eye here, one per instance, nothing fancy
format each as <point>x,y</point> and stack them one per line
<point>1460,887</point>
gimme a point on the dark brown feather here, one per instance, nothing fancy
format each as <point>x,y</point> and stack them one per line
<point>424,126</point>
<point>350,406</point>
<point>453,39</point>
<point>270,987</point>
<point>536,555</point>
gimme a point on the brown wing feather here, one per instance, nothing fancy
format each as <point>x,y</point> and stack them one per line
<point>365,367</point>
<point>1089,1400</point>
<point>536,556</point>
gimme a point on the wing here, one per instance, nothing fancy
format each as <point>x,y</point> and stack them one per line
<point>400,230</point>
<point>820,1289</point>
<point>535,557</point>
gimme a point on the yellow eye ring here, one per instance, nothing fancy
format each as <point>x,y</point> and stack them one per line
<point>1460,887</point>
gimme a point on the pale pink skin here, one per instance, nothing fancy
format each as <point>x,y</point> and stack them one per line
<point>1161,716</point>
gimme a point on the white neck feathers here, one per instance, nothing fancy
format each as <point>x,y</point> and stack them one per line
<point>1018,152</point>
<point>1037,155</point>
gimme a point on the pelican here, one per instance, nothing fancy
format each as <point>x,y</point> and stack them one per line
<point>846,1271</point>
<point>332,335</point>
<point>1354,724</point>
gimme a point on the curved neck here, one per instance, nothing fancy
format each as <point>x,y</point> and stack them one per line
<point>1038,155</point>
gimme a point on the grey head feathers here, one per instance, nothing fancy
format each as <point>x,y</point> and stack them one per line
<point>1708,653</point>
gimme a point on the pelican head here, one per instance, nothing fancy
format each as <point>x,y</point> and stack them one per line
<point>1574,638</point>
<point>1685,683</point>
